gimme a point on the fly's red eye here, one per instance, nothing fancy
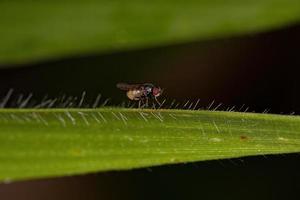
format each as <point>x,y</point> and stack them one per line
<point>156,92</point>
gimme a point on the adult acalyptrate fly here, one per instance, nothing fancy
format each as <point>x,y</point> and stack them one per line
<point>141,92</point>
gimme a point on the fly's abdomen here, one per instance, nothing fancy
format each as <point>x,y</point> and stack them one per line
<point>134,94</point>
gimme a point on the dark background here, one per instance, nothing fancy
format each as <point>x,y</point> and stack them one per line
<point>259,71</point>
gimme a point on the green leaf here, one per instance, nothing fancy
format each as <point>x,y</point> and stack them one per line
<point>57,142</point>
<point>36,30</point>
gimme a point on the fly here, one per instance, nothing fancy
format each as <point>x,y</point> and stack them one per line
<point>141,92</point>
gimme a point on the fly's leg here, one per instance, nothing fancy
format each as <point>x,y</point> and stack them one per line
<point>158,102</point>
<point>153,105</point>
<point>147,102</point>
<point>141,103</point>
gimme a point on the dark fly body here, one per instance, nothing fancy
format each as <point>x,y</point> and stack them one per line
<point>141,92</point>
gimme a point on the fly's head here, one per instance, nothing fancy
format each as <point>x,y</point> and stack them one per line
<point>157,91</point>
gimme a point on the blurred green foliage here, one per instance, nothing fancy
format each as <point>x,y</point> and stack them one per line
<point>36,30</point>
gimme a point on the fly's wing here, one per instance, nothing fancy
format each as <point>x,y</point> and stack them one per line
<point>126,87</point>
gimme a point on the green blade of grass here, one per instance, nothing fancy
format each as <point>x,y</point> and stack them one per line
<point>51,29</point>
<point>57,142</point>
